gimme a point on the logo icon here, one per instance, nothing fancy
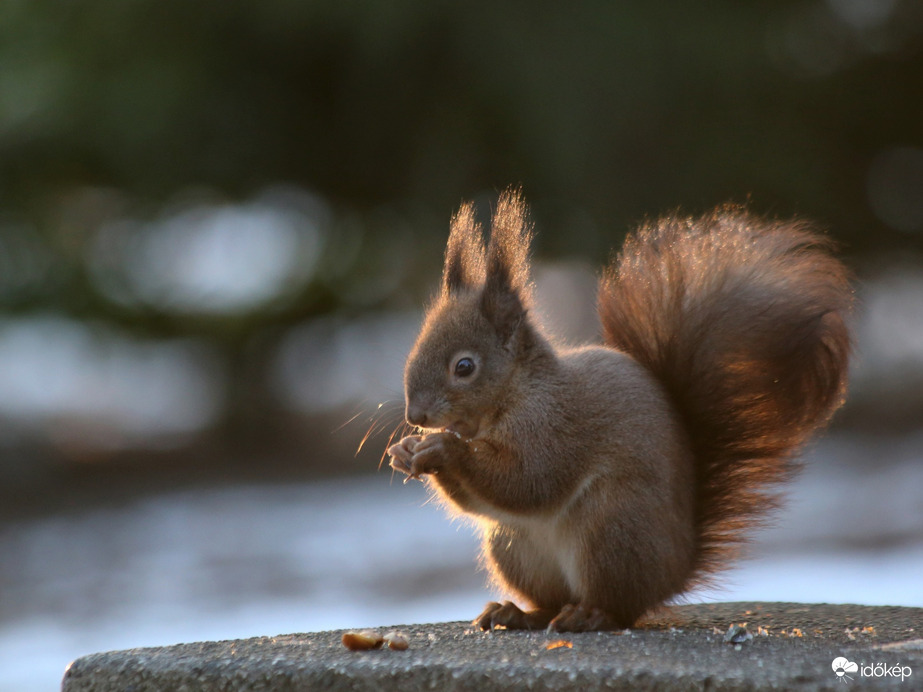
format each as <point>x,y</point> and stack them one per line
<point>842,666</point>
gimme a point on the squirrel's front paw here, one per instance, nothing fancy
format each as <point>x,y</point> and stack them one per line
<point>433,452</point>
<point>402,452</point>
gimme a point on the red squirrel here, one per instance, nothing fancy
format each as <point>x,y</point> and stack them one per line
<point>609,478</point>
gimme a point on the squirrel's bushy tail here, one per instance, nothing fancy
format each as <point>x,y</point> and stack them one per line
<point>743,320</point>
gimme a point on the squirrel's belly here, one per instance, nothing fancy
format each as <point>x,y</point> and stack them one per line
<point>552,551</point>
<point>549,543</point>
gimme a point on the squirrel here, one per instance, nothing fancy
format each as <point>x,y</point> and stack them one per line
<point>608,479</point>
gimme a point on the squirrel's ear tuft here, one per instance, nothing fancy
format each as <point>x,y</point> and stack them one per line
<point>510,238</point>
<point>506,290</point>
<point>464,253</point>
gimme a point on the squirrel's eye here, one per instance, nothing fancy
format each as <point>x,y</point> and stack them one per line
<point>464,367</point>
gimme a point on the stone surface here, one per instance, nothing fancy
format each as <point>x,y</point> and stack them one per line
<point>793,646</point>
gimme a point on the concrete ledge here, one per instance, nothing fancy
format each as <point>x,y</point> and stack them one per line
<point>793,646</point>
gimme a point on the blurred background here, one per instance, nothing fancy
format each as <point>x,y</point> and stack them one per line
<point>219,222</point>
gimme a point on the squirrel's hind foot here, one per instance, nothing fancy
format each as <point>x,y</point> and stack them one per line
<point>578,618</point>
<point>510,616</point>
<point>571,618</point>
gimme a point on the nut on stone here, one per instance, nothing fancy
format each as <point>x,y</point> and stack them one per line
<point>362,641</point>
<point>396,641</point>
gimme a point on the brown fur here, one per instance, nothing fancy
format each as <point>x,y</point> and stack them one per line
<point>609,478</point>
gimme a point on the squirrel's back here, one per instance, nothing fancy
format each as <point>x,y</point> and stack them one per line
<point>743,321</point>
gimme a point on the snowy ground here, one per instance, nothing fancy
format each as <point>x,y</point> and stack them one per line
<point>254,561</point>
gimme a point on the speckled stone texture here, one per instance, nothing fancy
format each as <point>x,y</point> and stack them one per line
<point>792,648</point>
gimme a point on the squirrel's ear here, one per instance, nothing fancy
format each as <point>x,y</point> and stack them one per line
<point>464,253</point>
<point>506,289</point>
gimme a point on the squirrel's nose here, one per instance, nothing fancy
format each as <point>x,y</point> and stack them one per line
<point>416,415</point>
